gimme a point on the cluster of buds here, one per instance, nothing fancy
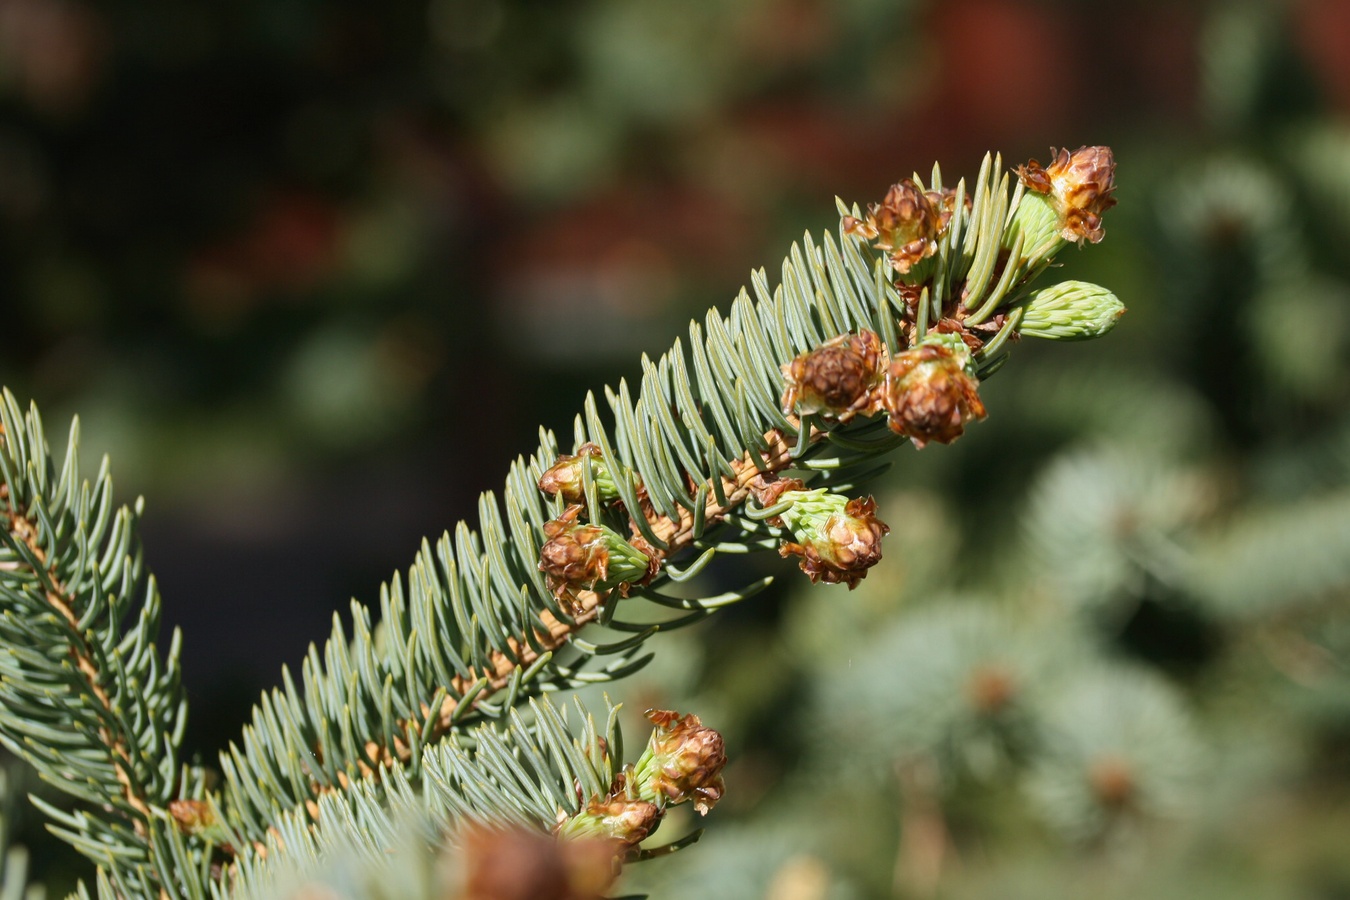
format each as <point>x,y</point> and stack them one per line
<point>838,539</point>
<point>931,390</point>
<point>565,478</point>
<point>1070,311</point>
<point>515,863</point>
<point>683,762</point>
<point>838,379</point>
<point>906,223</point>
<point>1066,199</point>
<point>578,556</point>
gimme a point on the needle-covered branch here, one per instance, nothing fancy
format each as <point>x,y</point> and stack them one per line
<point>85,696</point>
<point>913,302</point>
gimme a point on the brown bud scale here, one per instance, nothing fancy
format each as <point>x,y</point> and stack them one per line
<point>691,758</point>
<point>929,396</point>
<point>906,224</point>
<point>574,557</point>
<point>563,478</point>
<point>851,545</point>
<point>837,378</point>
<point>1080,184</point>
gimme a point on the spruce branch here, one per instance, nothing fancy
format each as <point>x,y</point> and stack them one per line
<point>538,775</point>
<point>652,492</point>
<point>84,695</point>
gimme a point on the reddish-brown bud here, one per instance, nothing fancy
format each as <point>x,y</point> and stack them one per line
<point>929,394</point>
<point>837,378</point>
<point>590,557</point>
<point>564,478</point>
<point>1112,780</point>
<point>683,761</point>
<point>193,816</point>
<point>767,491</point>
<point>616,816</point>
<point>990,689</point>
<point>905,224</point>
<point>1080,185</point>
<point>518,864</point>
<point>838,539</point>
<point>944,201</point>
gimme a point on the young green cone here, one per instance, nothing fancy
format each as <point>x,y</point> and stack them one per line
<point>1070,311</point>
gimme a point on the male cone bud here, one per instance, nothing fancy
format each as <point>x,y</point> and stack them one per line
<point>931,391</point>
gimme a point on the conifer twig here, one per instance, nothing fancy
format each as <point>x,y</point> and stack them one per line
<point>489,618</point>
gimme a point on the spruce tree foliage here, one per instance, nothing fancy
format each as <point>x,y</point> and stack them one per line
<point>756,434</point>
<point>1107,684</point>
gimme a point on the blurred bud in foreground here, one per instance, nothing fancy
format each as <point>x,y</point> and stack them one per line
<point>519,864</point>
<point>931,391</point>
<point>837,378</point>
<point>484,861</point>
<point>683,761</point>
<point>838,539</point>
<point>1070,311</point>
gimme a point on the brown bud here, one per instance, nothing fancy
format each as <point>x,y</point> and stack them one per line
<point>618,817</point>
<point>841,547</point>
<point>905,223</point>
<point>1112,781</point>
<point>990,689</point>
<point>574,556</point>
<point>1080,185</point>
<point>193,816</point>
<point>768,490</point>
<point>563,478</point>
<point>684,761</point>
<point>592,557</point>
<point>837,378</point>
<point>929,395</point>
<point>944,201</point>
<point>519,864</point>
